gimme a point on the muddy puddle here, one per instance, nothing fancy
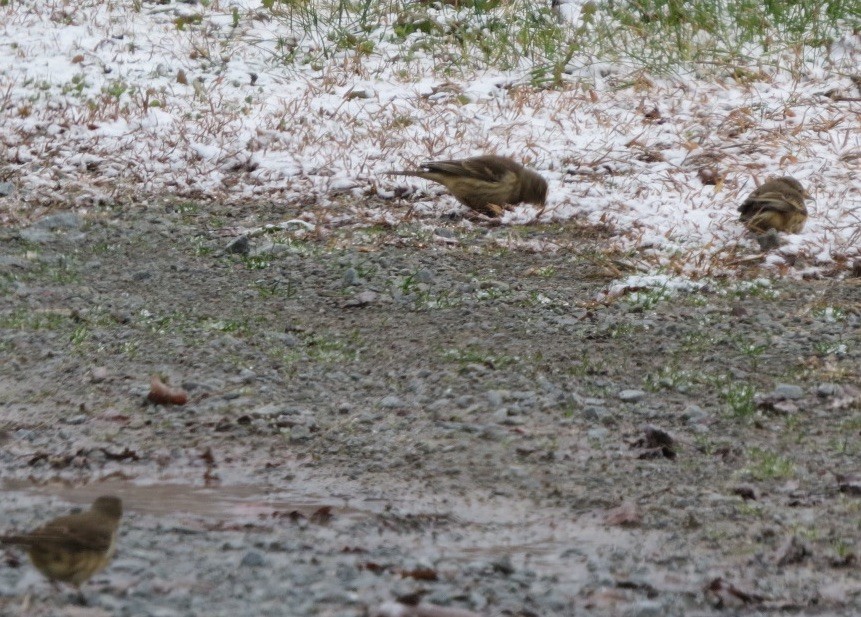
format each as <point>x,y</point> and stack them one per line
<point>440,530</point>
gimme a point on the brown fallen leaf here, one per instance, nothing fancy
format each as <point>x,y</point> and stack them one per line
<point>726,595</point>
<point>745,492</point>
<point>625,515</point>
<point>162,394</point>
<point>322,515</point>
<point>792,551</point>
<point>657,442</point>
<point>849,484</point>
<point>421,574</point>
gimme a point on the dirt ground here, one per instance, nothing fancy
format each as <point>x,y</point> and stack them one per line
<point>429,408</point>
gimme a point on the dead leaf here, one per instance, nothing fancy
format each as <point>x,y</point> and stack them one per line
<point>162,394</point>
<point>625,515</point>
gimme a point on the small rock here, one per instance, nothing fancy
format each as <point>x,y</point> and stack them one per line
<point>787,391</point>
<point>300,433</point>
<point>251,559</point>
<point>424,275</point>
<point>596,413</point>
<point>239,246</point>
<point>645,608</point>
<point>351,277</point>
<point>495,398</point>
<point>61,220</point>
<point>693,414</point>
<point>598,433</point>
<point>391,402</point>
<point>503,565</point>
<point>361,299</point>
<point>631,396</point>
<point>6,189</point>
<point>828,389</point>
<point>442,232</point>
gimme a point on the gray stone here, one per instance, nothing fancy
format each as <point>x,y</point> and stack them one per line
<point>788,391</point>
<point>251,559</point>
<point>631,396</point>
<point>36,236</point>
<point>693,414</point>
<point>391,402</point>
<point>645,608</point>
<point>351,277</point>
<point>596,413</point>
<point>239,246</point>
<point>424,275</point>
<point>598,433</point>
<point>300,433</point>
<point>6,189</point>
<point>361,299</point>
<point>828,389</point>
<point>60,221</point>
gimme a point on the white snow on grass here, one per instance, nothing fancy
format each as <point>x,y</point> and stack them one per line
<point>101,102</point>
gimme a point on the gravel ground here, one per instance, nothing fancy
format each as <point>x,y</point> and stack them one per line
<point>437,407</point>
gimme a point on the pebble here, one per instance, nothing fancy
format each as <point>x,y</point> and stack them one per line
<point>646,608</point>
<point>828,389</point>
<point>596,413</point>
<point>424,275</point>
<point>351,277</point>
<point>252,559</point>
<point>59,221</point>
<point>597,434</point>
<point>788,391</point>
<point>392,402</point>
<point>693,414</point>
<point>239,246</point>
<point>631,396</point>
<point>6,189</point>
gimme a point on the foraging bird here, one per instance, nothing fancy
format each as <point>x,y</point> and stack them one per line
<point>777,204</point>
<point>485,183</point>
<point>74,547</point>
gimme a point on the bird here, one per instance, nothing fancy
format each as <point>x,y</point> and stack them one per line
<point>72,548</point>
<point>484,183</point>
<point>777,204</point>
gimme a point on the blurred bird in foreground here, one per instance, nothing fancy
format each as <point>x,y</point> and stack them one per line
<point>485,183</point>
<point>777,204</point>
<point>72,548</point>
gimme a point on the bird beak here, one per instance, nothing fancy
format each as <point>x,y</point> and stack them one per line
<point>807,195</point>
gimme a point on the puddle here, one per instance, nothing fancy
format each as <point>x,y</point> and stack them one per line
<point>439,530</point>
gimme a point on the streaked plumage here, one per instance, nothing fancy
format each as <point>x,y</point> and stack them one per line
<point>778,204</point>
<point>485,183</point>
<point>73,548</point>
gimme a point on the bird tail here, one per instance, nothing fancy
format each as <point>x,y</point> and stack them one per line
<point>397,172</point>
<point>19,540</point>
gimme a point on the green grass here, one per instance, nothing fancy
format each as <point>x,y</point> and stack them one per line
<point>766,465</point>
<point>729,36</point>
<point>739,398</point>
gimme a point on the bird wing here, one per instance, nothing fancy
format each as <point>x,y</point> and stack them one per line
<point>486,169</point>
<point>773,200</point>
<point>75,533</point>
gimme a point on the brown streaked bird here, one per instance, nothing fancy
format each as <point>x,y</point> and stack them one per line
<point>485,183</point>
<point>777,204</point>
<point>73,548</point>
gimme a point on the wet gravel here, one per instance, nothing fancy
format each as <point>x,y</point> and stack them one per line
<point>481,414</point>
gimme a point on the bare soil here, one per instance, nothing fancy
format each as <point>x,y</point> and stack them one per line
<point>431,407</point>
